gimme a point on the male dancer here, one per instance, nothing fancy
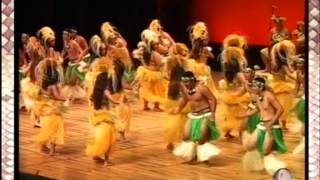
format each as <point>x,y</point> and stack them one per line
<point>200,128</point>
<point>268,135</point>
<point>277,34</point>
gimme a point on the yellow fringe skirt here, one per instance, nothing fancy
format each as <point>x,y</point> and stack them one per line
<point>50,113</point>
<point>52,130</point>
<point>153,86</point>
<point>30,93</point>
<point>175,122</point>
<point>284,92</point>
<point>103,140</point>
<point>229,107</point>
<point>103,133</point>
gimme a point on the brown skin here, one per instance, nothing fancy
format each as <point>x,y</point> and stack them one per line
<point>270,111</point>
<point>200,100</point>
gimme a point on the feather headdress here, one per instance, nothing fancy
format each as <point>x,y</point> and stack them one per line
<point>96,45</point>
<point>198,31</point>
<point>45,34</point>
<point>155,26</point>
<point>283,53</point>
<point>235,40</point>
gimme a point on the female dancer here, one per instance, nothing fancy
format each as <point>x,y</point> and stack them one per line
<point>50,105</point>
<point>174,122</point>
<point>153,86</point>
<point>199,55</point>
<point>101,117</point>
<point>29,85</point>
<point>165,40</point>
<point>282,55</point>
<point>234,97</point>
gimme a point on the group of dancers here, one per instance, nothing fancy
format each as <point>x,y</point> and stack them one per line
<point>253,105</point>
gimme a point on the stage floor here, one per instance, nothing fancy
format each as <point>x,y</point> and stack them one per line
<point>144,156</point>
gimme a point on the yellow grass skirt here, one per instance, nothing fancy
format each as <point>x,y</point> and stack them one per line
<point>175,122</point>
<point>153,86</point>
<point>103,132</point>
<point>284,92</point>
<point>52,130</point>
<point>231,106</point>
<point>30,93</point>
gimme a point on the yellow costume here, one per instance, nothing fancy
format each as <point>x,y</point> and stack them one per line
<point>30,92</point>
<point>233,103</point>
<point>282,55</point>
<point>175,122</point>
<point>102,121</point>
<point>153,86</point>
<point>284,92</point>
<point>123,114</point>
<point>202,73</point>
<point>50,112</point>
<point>231,106</point>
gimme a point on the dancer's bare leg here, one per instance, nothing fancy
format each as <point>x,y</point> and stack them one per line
<point>106,159</point>
<point>145,107</point>
<point>157,107</point>
<point>170,147</point>
<point>52,149</point>
<point>268,143</point>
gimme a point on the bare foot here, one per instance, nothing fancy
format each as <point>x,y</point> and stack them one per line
<point>157,109</point>
<point>192,161</point>
<point>146,109</point>
<point>98,159</point>
<point>228,136</point>
<point>44,149</point>
<point>107,163</point>
<point>170,147</point>
<point>37,125</point>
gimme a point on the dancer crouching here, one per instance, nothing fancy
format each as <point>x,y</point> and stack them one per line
<point>200,127</point>
<point>268,135</point>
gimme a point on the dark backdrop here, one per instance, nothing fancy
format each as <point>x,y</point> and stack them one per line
<point>129,16</point>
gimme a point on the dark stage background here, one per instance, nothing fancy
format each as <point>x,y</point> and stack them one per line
<point>131,17</point>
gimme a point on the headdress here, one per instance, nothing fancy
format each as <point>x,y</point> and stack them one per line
<point>45,34</point>
<point>235,40</point>
<point>155,26</point>
<point>278,19</point>
<point>96,45</point>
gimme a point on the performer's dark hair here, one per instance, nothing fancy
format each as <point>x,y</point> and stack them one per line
<point>189,74</point>
<point>261,80</point>
<point>51,77</point>
<point>101,84</point>
<point>231,69</point>
<point>174,84</point>
<point>119,71</point>
<point>34,62</point>
<point>147,55</point>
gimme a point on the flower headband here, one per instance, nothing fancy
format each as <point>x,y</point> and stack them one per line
<point>186,79</point>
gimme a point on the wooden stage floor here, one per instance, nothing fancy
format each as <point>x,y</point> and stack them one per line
<point>144,156</point>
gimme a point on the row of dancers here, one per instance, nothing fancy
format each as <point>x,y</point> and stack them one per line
<point>255,105</point>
